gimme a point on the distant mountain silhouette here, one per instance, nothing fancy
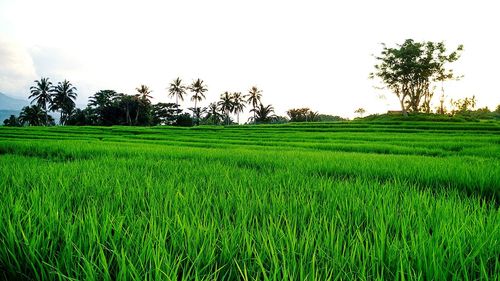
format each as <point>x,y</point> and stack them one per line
<point>4,114</point>
<point>9,103</point>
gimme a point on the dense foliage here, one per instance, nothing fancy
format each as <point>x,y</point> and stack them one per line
<point>410,69</point>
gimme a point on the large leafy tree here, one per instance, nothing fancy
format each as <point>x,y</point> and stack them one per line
<point>111,108</point>
<point>177,90</point>
<point>263,114</point>
<point>238,105</point>
<point>302,115</point>
<point>165,113</point>
<point>41,95</point>
<point>198,89</point>
<point>102,103</point>
<point>102,98</point>
<point>410,69</point>
<point>253,98</point>
<point>63,99</point>
<point>127,106</point>
<point>226,105</point>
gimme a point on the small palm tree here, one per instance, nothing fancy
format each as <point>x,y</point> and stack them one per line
<point>312,116</point>
<point>226,105</point>
<point>360,111</point>
<point>253,97</point>
<point>63,99</point>
<point>40,93</point>
<point>198,112</point>
<point>198,89</point>
<point>142,99</point>
<point>33,116</point>
<point>263,114</point>
<point>238,105</point>
<point>213,113</point>
<point>177,90</point>
<point>144,92</point>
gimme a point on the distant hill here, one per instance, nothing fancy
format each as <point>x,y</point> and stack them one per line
<point>9,103</point>
<point>4,114</point>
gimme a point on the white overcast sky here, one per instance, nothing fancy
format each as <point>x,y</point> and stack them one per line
<point>315,54</point>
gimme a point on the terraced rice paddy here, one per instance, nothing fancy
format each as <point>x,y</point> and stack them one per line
<point>366,201</point>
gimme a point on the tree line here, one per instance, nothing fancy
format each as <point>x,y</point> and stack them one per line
<point>412,71</point>
<point>108,107</point>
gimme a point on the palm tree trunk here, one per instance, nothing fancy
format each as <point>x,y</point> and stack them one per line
<point>128,116</point>
<point>177,109</point>
<point>238,118</point>
<point>46,114</point>
<point>195,111</point>
<point>137,115</point>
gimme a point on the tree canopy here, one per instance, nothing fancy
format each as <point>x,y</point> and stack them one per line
<point>410,69</point>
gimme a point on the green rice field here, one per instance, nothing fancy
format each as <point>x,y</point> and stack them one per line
<point>304,201</point>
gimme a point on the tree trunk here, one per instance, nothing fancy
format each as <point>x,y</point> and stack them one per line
<point>137,115</point>
<point>195,111</point>
<point>441,100</point>
<point>128,116</point>
<point>403,108</point>
<point>46,114</point>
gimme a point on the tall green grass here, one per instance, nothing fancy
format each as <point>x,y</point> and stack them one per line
<point>250,203</point>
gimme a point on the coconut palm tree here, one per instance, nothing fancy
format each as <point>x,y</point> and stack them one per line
<point>360,111</point>
<point>238,105</point>
<point>263,114</point>
<point>312,116</point>
<point>226,105</point>
<point>144,92</point>
<point>177,90</point>
<point>213,113</point>
<point>142,98</point>
<point>33,115</point>
<point>253,97</point>
<point>63,99</point>
<point>198,89</point>
<point>198,112</point>
<point>40,93</point>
